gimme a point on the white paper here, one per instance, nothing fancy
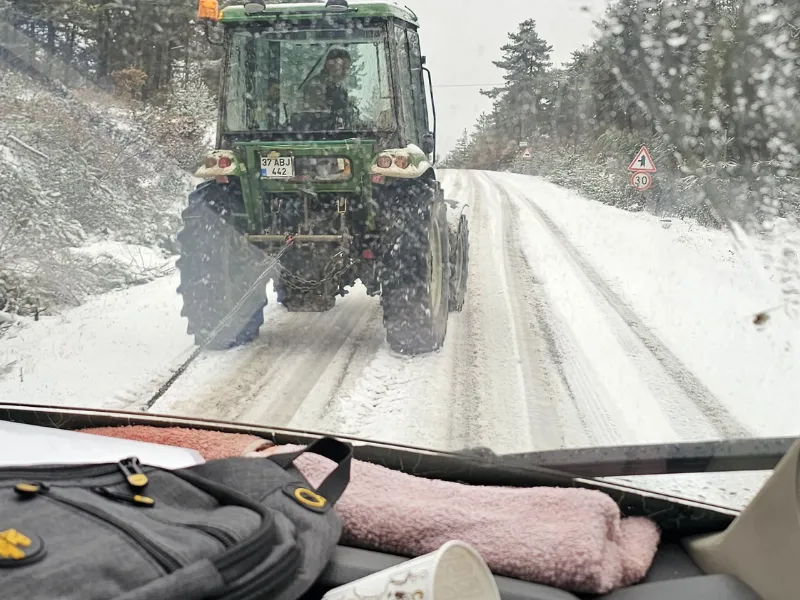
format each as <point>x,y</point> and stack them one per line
<point>33,445</point>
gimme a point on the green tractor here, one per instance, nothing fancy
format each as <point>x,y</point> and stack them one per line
<point>323,175</point>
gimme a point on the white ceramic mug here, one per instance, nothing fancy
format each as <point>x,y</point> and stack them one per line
<point>456,571</point>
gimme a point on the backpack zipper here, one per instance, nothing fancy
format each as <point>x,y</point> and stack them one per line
<point>219,534</point>
<point>223,537</point>
<point>167,562</point>
<point>130,468</point>
<point>68,471</point>
<point>274,579</point>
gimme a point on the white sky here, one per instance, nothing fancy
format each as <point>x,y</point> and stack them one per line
<point>461,38</point>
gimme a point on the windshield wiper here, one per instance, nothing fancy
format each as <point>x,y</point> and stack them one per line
<point>757,454</point>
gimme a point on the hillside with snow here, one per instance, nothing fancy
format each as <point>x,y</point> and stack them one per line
<point>85,194</point>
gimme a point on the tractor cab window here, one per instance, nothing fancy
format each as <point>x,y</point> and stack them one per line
<point>412,91</point>
<point>405,93</point>
<point>308,81</point>
<point>415,56</point>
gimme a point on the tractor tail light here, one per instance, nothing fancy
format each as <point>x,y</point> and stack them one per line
<point>401,162</point>
<point>385,161</point>
<point>225,162</point>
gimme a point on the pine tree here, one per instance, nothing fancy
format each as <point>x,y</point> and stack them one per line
<point>526,59</point>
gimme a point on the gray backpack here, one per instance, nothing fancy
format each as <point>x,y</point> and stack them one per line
<point>233,529</point>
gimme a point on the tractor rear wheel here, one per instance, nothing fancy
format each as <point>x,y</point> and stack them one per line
<point>416,279</point>
<point>217,267</point>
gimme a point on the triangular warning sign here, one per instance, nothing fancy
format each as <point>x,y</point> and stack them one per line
<point>643,162</point>
<point>527,153</point>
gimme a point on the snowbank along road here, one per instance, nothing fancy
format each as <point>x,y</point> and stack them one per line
<point>544,355</point>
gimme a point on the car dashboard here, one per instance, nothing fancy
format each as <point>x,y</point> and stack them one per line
<point>673,576</point>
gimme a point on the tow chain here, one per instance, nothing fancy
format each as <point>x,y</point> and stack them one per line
<point>309,285</point>
<point>270,265</point>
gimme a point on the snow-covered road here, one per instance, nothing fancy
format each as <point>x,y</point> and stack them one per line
<point>584,325</point>
<point>495,383</point>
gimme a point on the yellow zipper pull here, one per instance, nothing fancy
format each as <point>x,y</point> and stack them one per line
<point>136,499</point>
<point>132,469</point>
<point>29,490</point>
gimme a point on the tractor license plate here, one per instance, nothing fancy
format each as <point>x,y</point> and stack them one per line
<point>281,167</point>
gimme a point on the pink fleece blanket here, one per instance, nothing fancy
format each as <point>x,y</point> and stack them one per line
<point>569,538</point>
<point>211,445</point>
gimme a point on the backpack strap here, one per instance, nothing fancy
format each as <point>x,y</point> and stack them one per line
<point>334,484</point>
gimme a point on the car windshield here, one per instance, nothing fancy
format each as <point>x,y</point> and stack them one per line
<point>526,226</point>
<point>278,82</point>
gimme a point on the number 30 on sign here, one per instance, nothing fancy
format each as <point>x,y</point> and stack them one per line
<point>641,182</point>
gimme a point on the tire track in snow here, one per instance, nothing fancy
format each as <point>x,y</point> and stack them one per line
<point>572,368</point>
<point>281,395</point>
<point>268,381</point>
<point>505,394</point>
<point>466,420</point>
<point>694,411</point>
<point>320,406</point>
<point>393,398</point>
<point>569,383</point>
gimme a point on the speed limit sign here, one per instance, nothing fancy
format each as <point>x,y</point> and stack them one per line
<point>641,182</point>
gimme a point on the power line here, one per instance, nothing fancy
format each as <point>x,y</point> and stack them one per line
<point>460,85</point>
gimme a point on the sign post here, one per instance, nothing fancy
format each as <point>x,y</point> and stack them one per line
<point>642,168</point>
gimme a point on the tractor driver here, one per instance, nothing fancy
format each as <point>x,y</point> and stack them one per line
<point>326,91</point>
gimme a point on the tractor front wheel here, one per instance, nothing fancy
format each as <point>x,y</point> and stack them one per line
<point>459,263</point>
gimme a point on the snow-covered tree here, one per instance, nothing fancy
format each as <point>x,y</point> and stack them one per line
<point>526,59</point>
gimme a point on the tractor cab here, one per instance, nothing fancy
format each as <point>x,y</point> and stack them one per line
<point>318,71</point>
<point>322,176</point>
